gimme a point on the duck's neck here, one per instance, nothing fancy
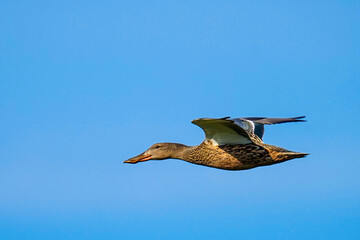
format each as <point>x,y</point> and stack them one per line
<point>180,151</point>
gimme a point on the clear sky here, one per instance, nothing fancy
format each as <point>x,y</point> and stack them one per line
<point>84,85</point>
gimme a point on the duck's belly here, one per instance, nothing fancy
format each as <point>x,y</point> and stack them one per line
<point>231,157</point>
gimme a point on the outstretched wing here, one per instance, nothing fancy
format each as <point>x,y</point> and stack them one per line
<point>223,131</point>
<point>259,122</point>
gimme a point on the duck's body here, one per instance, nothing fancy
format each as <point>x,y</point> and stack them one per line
<point>237,156</point>
<point>230,144</point>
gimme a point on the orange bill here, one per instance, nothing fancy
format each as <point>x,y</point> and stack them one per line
<point>140,158</point>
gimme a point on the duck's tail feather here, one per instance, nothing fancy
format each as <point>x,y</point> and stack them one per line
<point>284,156</point>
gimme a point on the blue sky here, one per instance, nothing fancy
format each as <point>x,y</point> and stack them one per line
<point>85,85</point>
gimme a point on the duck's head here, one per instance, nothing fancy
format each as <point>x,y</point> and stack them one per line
<point>159,151</point>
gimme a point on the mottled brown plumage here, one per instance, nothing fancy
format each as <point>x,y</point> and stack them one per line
<point>228,145</point>
<point>238,157</point>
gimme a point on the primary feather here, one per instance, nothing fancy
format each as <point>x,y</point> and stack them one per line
<point>259,123</point>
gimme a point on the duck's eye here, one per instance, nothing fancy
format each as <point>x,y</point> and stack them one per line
<point>157,146</point>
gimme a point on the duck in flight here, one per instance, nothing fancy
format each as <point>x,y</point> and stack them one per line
<point>230,144</point>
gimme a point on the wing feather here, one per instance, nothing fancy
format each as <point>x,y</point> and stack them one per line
<point>238,130</point>
<point>259,123</point>
<point>225,131</point>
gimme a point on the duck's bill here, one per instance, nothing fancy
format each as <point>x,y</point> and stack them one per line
<point>140,158</point>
